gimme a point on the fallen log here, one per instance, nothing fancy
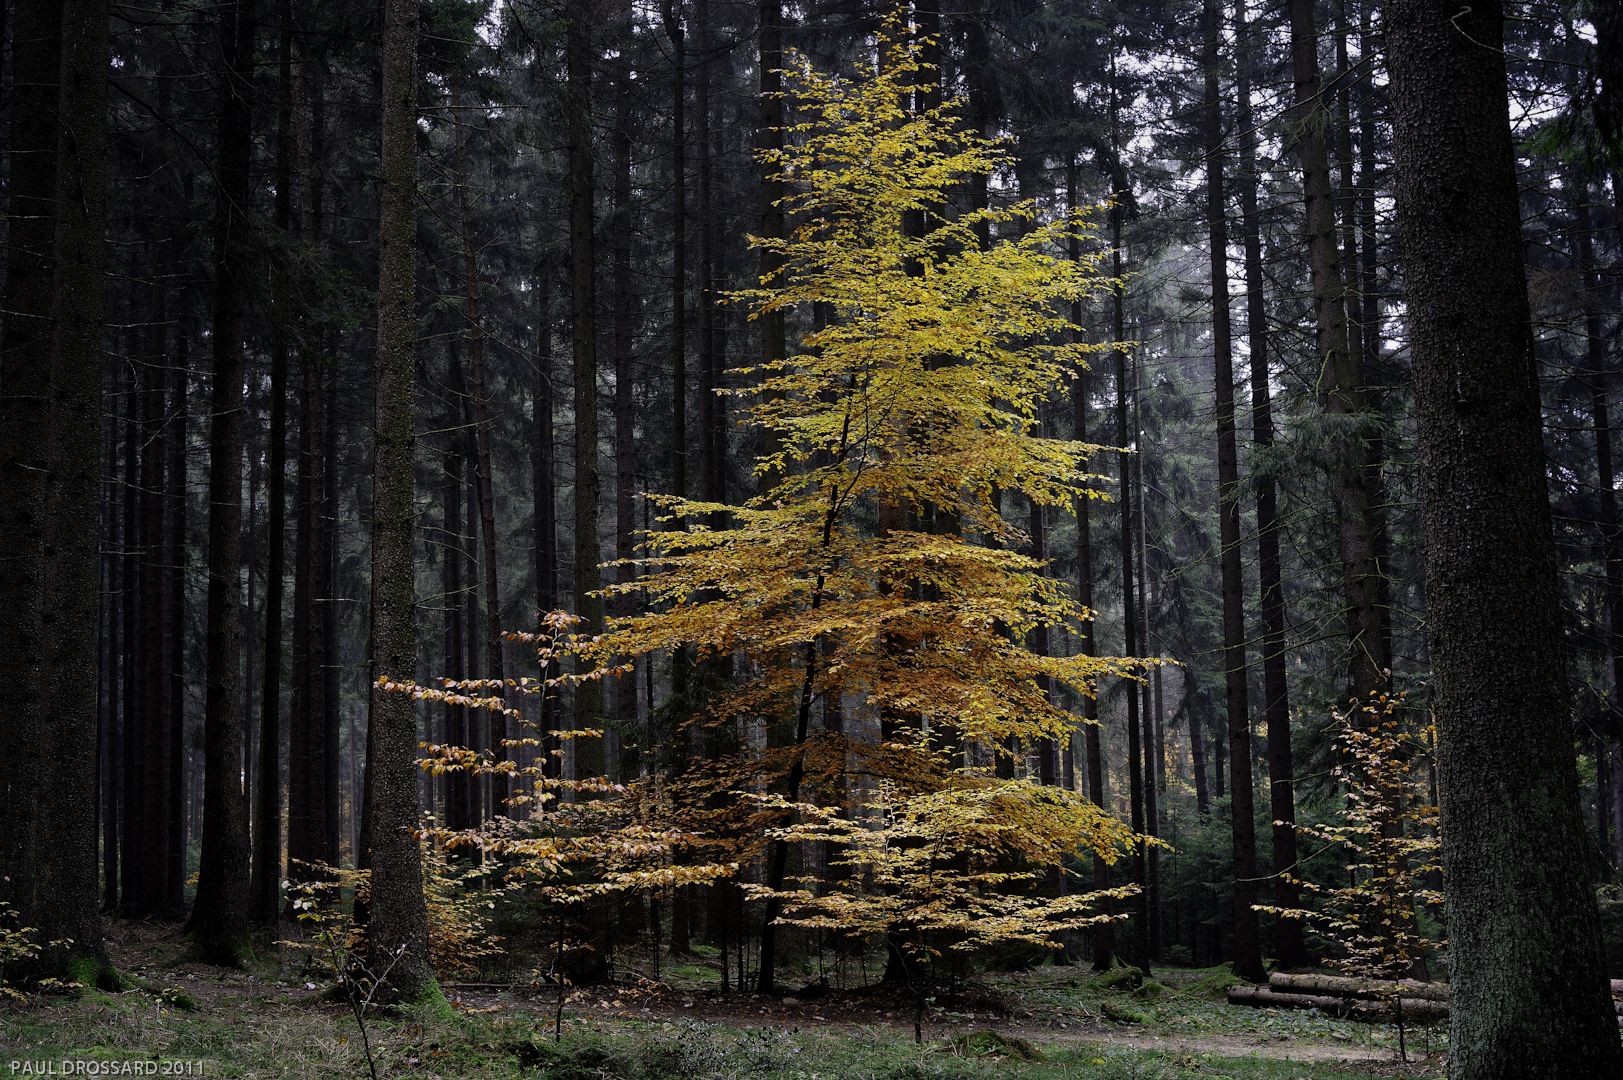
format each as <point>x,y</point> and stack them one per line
<point>1343,986</point>
<point>1416,1010</point>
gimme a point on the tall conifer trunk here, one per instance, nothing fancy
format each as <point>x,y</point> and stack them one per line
<point>1527,987</point>
<point>1103,938</point>
<point>176,493</point>
<point>1289,951</point>
<point>50,373</point>
<point>1338,363</point>
<point>219,920</point>
<point>588,751</point>
<point>625,478</point>
<point>398,915</point>
<point>542,454</point>
<point>1247,936</point>
<point>486,481</point>
<point>265,887</point>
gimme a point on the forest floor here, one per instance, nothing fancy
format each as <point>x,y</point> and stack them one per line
<point>273,1020</point>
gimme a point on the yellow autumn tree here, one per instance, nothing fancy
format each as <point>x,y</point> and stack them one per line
<point>916,401</point>
<point>878,575</point>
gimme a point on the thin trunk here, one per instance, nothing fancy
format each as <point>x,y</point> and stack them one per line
<point>458,794</point>
<point>588,750</point>
<point>487,495</point>
<point>546,502</point>
<point>266,886</point>
<point>1527,982</point>
<point>219,920</point>
<point>1197,743</point>
<point>154,675</point>
<point>1140,949</point>
<point>133,870</point>
<point>1289,950</point>
<point>768,140</point>
<point>671,14</point>
<point>1103,937</point>
<point>1247,932</point>
<point>176,493</point>
<point>625,480</point>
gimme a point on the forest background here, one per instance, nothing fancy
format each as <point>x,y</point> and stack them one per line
<point>580,190</point>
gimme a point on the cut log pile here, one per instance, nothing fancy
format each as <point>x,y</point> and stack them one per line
<point>1360,999</point>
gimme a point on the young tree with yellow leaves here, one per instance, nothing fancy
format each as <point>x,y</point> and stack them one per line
<point>916,400</point>
<point>954,869</point>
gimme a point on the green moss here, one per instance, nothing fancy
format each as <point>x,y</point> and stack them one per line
<point>990,1042</point>
<point>1129,977</point>
<point>1123,1015</point>
<point>1215,985</point>
<point>1151,991</point>
<point>430,1003</point>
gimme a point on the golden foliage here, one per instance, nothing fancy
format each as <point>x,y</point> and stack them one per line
<point>1390,831</point>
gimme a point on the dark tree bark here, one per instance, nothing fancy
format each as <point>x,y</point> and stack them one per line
<point>265,887</point>
<point>1139,954</point>
<point>458,792</point>
<point>583,311</point>
<point>671,15</point>
<point>219,920</point>
<point>175,797</point>
<point>133,869</point>
<point>1289,951</point>
<point>310,791</point>
<point>1611,541</point>
<point>487,492</point>
<point>1103,936</point>
<point>25,396</point>
<point>1341,376</point>
<point>398,915</point>
<point>546,503</point>
<point>712,410</point>
<point>1247,934</point>
<point>625,446</point>
<point>154,677</point>
<point>52,381</point>
<point>1528,992</point>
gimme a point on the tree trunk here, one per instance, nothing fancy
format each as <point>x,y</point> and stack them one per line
<point>625,478</point>
<point>133,869</point>
<point>154,675</point>
<point>51,424</point>
<point>546,504</point>
<point>219,920</point>
<point>1103,938</point>
<point>26,359</point>
<point>175,804</point>
<point>1611,542</point>
<point>487,493</point>
<point>266,885</point>
<point>398,916</point>
<point>588,750</point>
<point>1528,992</point>
<point>1289,951</point>
<point>1140,948</point>
<point>1340,365</point>
<point>671,14</point>
<point>1247,935</point>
